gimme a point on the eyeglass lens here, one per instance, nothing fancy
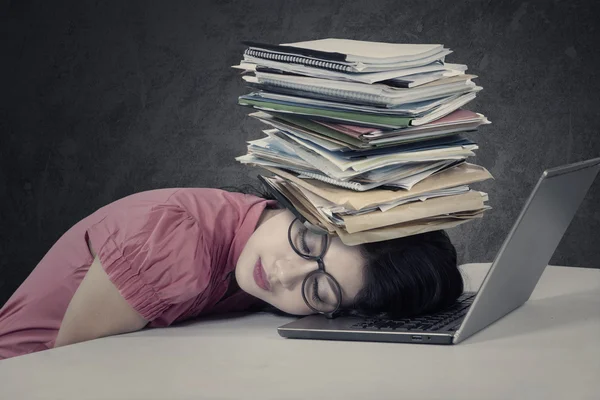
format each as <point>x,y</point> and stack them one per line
<point>321,292</point>
<point>307,242</point>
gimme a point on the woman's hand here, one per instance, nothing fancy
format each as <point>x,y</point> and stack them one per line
<point>96,310</point>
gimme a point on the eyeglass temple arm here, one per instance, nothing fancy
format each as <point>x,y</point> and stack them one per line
<point>314,228</point>
<point>288,204</point>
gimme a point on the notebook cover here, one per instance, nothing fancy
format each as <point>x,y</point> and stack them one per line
<point>338,57</point>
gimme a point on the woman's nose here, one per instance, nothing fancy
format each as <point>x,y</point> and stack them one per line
<point>292,272</point>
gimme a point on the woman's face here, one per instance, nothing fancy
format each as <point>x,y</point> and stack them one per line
<point>268,267</point>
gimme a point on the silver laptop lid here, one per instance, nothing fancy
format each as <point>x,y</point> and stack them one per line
<point>530,244</point>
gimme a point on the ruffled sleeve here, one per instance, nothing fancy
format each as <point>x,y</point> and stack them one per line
<point>153,254</point>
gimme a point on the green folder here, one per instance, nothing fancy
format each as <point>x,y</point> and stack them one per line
<point>378,121</point>
<point>320,129</point>
<point>294,121</point>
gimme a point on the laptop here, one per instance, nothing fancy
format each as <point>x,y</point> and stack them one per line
<point>508,284</point>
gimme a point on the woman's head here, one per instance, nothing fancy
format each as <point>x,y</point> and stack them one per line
<point>398,277</point>
<point>409,276</point>
<point>270,269</point>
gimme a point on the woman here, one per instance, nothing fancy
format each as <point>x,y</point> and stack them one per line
<point>164,256</point>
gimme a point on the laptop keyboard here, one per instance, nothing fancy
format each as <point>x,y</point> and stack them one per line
<point>431,322</point>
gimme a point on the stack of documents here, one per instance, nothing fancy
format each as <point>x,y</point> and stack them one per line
<point>365,139</point>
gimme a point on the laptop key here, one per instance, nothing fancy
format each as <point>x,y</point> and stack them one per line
<point>422,322</point>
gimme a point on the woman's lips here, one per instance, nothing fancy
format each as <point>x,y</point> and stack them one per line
<point>260,276</point>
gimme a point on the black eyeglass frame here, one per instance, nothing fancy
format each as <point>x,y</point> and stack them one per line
<point>321,270</point>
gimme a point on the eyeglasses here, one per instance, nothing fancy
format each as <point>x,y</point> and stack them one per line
<point>320,291</point>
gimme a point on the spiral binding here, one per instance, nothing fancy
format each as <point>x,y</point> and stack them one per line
<point>348,185</point>
<point>298,60</point>
<point>339,93</point>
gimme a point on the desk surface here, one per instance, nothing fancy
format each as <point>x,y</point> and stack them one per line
<point>547,349</point>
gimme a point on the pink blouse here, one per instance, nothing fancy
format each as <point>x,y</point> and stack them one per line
<point>170,252</point>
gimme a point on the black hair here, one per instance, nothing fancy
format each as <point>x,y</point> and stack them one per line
<point>402,277</point>
<point>408,276</point>
<point>248,188</point>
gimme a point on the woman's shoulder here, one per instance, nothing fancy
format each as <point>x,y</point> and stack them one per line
<point>202,204</point>
<point>184,197</point>
<point>197,199</point>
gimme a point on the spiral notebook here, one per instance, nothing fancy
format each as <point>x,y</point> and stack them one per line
<point>349,55</point>
<point>252,64</point>
<point>358,93</point>
<point>405,183</point>
<point>352,185</point>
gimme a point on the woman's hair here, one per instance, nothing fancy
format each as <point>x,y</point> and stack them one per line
<point>248,188</point>
<point>408,276</point>
<point>402,277</point>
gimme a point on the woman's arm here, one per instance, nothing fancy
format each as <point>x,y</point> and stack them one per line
<point>96,310</point>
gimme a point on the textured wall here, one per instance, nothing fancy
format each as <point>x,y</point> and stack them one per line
<point>103,100</point>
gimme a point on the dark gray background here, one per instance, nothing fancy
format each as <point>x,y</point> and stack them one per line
<point>103,100</point>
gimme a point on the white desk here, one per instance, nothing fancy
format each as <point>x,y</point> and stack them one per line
<point>547,349</point>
